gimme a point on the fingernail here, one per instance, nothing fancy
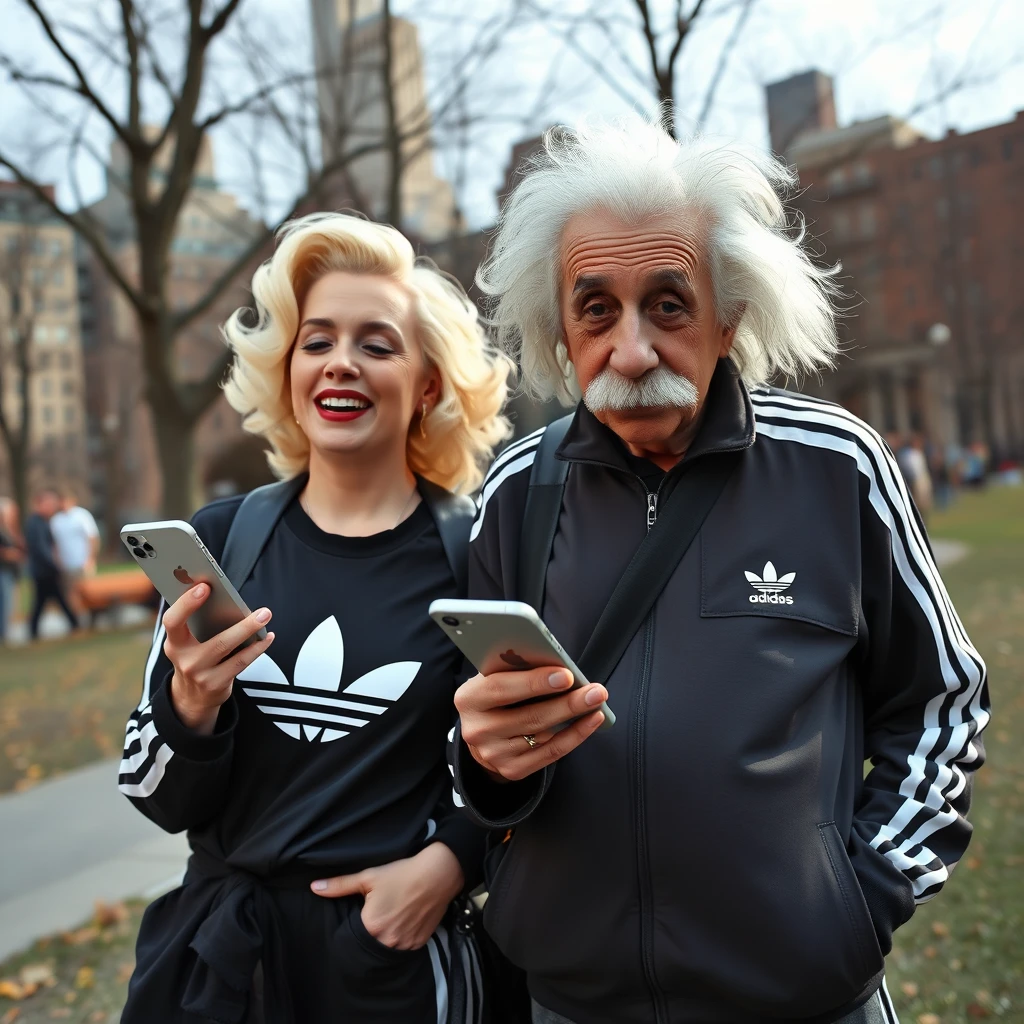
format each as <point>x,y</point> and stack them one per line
<point>594,696</point>
<point>198,592</point>
<point>263,615</point>
<point>320,885</point>
<point>559,679</point>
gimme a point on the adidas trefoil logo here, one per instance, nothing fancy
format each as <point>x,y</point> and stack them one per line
<point>770,586</point>
<point>315,715</point>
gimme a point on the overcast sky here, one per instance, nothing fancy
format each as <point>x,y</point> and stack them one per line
<point>887,57</point>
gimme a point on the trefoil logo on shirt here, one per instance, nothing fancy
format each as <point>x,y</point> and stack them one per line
<point>770,586</point>
<point>318,668</point>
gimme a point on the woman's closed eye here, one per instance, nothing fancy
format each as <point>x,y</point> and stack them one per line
<point>317,344</point>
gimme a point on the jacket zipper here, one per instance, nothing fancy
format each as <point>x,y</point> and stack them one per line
<point>639,731</point>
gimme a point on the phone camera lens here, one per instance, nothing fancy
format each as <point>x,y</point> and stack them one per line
<point>450,620</point>
<point>138,552</point>
<point>133,541</point>
<point>149,549</point>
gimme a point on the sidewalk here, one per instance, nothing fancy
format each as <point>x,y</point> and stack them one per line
<point>66,843</point>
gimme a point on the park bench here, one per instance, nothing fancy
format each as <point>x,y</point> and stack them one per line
<point>110,590</point>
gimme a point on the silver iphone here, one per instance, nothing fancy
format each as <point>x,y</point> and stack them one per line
<point>505,636</point>
<point>174,558</point>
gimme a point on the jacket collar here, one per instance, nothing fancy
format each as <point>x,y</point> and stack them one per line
<point>728,426</point>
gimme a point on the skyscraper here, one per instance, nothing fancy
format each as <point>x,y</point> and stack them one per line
<point>356,111</point>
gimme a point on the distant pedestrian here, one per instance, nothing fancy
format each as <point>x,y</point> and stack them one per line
<point>77,540</point>
<point>42,560</point>
<point>12,555</point>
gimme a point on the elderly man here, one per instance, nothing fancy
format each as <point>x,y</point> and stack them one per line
<point>717,855</point>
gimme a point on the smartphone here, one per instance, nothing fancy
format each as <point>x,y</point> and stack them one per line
<point>503,636</point>
<point>174,558</point>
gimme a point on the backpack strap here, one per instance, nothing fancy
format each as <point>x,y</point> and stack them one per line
<point>540,517</point>
<point>253,524</point>
<point>453,514</point>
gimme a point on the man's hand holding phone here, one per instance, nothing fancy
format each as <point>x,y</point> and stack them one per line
<point>204,673</point>
<point>498,727</point>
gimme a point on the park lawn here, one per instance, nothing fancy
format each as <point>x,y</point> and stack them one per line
<point>959,960</point>
<point>79,976</point>
<point>64,703</point>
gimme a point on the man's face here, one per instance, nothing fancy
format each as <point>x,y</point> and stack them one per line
<point>639,323</point>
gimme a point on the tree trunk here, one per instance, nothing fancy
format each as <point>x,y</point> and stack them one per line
<point>19,479</point>
<point>176,451</point>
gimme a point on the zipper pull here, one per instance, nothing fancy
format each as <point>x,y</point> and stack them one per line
<point>652,509</point>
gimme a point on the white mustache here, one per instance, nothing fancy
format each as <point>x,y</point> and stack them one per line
<point>659,388</point>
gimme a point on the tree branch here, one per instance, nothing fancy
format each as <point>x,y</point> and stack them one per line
<point>86,88</point>
<point>85,229</point>
<point>723,60</point>
<point>220,20</point>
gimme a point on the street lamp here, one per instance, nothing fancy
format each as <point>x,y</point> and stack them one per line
<point>939,335</point>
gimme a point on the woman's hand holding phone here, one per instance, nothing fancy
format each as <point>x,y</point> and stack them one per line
<point>204,673</point>
<point>496,722</point>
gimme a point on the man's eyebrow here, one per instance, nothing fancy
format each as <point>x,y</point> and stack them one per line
<point>670,277</point>
<point>588,282</point>
<point>317,321</point>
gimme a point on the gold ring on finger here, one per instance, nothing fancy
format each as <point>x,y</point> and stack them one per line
<point>531,740</point>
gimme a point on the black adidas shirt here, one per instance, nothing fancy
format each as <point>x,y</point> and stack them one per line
<point>329,756</point>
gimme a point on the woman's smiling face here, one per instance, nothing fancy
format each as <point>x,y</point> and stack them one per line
<point>358,374</point>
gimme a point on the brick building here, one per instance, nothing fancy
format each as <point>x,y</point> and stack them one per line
<point>39,300</point>
<point>931,237</point>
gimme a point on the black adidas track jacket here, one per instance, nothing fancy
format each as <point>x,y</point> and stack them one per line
<point>719,855</point>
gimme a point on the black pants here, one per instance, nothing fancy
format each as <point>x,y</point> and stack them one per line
<point>49,588</point>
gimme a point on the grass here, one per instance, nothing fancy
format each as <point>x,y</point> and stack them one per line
<point>79,976</point>
<point>961,958</point>
<point>64,703</point>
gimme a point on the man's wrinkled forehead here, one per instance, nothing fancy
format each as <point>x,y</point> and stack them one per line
<point>597,245</point>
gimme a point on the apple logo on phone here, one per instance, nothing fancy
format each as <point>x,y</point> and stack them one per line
<point>516,661</point>
<point>182,576</point>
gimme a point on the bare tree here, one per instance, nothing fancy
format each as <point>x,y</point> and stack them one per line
<point>159,114</point>
<point>25,270</point>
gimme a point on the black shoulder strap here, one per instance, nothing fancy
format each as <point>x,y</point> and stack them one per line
<point>253,524</point>
<point>453,514</point>
<point>540,517</point>
<point>655,561</point>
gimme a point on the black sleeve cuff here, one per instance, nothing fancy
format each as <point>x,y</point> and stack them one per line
<point>468,842</point>
<point>495,805</point>
<point>184,741</point>
<point>888,892</point>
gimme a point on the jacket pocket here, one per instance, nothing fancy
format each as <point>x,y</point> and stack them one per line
<point>370,944</point>
<point>853,898</point>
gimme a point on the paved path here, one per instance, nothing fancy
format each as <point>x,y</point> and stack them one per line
<point>71,841</point>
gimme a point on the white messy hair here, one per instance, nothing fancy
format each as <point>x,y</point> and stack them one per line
<point>762,277</point>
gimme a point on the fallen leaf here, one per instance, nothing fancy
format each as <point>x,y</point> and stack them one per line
<point>973,863</point>
<point>70,997</point>
<point>124,972</point>
<point>940,929</point>
<point>85,978</point>
<point>35,771</point>
<point>909,989</point>
<point>37,975</point>
<point>978,1012</point>
<point>11,989</point>
<point>81,935</point>
<point>107,914</point>
<point>11,1015</point>
<point>98,1016</point>
<point>60,1012</point>
<point>929,1018</point>
<point>931,952</point>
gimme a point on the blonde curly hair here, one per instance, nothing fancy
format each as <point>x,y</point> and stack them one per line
<point>460,432</point>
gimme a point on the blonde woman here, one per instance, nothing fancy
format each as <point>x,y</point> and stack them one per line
<point>308,767</point>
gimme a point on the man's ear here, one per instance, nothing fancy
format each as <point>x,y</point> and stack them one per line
<point>729,331</point>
